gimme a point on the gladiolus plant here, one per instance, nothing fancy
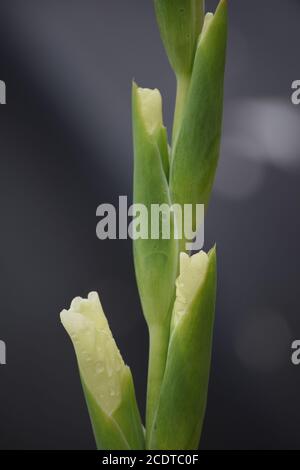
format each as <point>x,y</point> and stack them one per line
<point>177,290</point>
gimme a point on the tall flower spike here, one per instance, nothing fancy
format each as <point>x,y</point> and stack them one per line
<point>196,150</point>
<point>106,380</point>
<point>184,389</point>
<point>155,258</point>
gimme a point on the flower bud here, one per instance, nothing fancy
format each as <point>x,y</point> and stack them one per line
<point>155,258</point>
<point>183,394</point>
<point>106,380</point>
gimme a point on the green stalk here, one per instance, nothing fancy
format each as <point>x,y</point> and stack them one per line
<point>158,349</point>
<point>183,84</point>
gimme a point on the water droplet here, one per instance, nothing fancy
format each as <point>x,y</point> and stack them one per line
<point>99,368</point>
<point>181,298</point>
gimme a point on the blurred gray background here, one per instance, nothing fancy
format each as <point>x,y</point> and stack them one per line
<point>66,147</point>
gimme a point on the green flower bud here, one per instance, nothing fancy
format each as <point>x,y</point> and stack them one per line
<point>180,23</point>
<point>106,380</point>
<point>182,403</point>
<point>196,148</point>
<point>155,259</point>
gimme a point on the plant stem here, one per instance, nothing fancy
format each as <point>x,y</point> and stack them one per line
<point>183,84</point>
<point>159,341</point>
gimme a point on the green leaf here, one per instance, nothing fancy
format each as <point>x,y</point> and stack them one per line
<point>123,429</point>
<point>196,148</point>
<point>180,23</point>
<point>182,403</point>
<point>106,380</point>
